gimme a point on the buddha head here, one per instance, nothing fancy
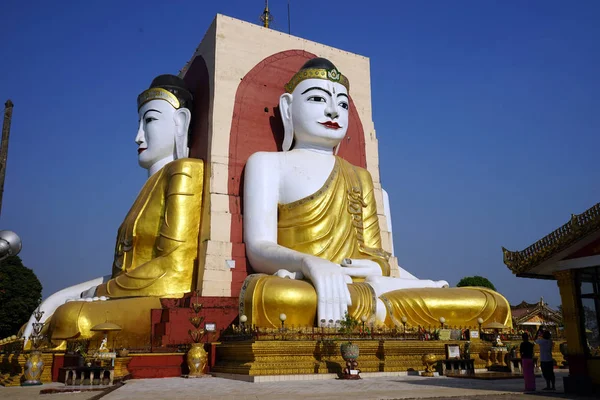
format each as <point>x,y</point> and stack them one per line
<point>164,113</point>
<point>316,105</point>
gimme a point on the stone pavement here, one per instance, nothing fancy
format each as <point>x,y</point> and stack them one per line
<point>379,388</point>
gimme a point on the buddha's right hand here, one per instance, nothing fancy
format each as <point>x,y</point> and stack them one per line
<point>330,283</point>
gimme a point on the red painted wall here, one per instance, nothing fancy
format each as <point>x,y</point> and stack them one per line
<point>58,361</point>
<point>256,126</point>
<point>170,325</point>
<point>157,366</point>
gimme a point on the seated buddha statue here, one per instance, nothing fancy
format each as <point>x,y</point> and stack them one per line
<point>312,233</point>
<point>157,243</point>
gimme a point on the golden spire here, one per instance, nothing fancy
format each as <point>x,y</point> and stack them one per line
<point>266,16</point>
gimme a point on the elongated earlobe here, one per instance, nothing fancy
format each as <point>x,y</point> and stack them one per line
<point>182,119</point>
<point>285,109</point>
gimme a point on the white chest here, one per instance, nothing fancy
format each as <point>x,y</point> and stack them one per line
<point>302,175</point>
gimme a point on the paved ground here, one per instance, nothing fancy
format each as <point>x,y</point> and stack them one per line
<point>381,388</point>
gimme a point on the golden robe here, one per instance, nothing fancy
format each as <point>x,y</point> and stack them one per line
<point>155,256</point>
<point>340,221</point>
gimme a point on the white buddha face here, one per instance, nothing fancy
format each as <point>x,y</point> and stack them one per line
<point>319,112</point>
<point>156,132</point>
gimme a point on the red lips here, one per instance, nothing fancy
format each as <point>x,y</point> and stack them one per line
<point>141,149</point>
<point>330,125</point>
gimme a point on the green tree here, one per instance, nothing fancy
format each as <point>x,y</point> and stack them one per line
<point>20,294</point>
<point>475,281</point>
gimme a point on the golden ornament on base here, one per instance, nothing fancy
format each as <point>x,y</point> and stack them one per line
<point>428,360</point>
<point>33,369</point>
<point>197,360</point>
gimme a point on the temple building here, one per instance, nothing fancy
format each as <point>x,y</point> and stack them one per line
<point>530,317</point>
<point>571,256</point>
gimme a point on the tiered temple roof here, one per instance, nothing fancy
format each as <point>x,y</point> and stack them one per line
<point>579,227</point>
<point>535,313</point>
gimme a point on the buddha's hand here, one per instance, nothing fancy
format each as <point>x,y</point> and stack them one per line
<point>360,268</point>
<point>284,273</point>
<point>330,283</point>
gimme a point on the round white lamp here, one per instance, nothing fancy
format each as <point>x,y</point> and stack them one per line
<point>282,318</point>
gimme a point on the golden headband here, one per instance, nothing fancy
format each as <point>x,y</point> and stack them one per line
<point>332,75</point>
<point>158,94</point>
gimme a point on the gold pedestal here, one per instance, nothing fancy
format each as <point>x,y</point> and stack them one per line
<point>48,359</point>
<point>11,369</point>
<point>121,370</point>
<point>281,357</point>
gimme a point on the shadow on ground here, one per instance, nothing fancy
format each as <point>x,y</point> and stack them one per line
<point>513,388</point>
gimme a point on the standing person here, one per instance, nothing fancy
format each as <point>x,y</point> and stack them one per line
<point>546,360</point>
<point>526,350</point>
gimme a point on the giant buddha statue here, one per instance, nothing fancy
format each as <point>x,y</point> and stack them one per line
<point>312,233</point>
<point>157,243</point>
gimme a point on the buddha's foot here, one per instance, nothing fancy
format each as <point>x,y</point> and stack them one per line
<point>458,306</point>
<point>76,319</point>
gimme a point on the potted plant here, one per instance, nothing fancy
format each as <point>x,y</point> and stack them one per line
<point>81,351</point>
<point>349,350</point>
<point>467,350</point>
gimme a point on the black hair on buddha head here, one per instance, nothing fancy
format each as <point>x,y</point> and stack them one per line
<point>318,62</point>
<point>175,85</point>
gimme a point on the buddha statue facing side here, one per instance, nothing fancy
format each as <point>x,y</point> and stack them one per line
<point>311,228</point>
<point>157,243</point>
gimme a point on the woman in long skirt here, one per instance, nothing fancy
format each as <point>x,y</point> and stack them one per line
<point>526,350</point>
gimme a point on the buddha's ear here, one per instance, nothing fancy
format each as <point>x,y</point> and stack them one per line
<point>182,118</point>
<point>285,109</point>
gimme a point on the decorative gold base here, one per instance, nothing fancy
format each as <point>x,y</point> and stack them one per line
<point>280,357</point>
<point>430,374</point>
<point>121,370</point>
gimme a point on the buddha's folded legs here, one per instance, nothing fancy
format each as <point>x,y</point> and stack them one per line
<point>459,306</point>
<point>265,297</point>
<point>76,319</point>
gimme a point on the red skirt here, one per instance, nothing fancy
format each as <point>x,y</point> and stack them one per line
<point>528,374</point>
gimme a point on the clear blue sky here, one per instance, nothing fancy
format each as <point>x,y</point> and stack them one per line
<point>487,114</point>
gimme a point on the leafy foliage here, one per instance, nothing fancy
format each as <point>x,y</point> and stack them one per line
<point>476,281</point>
<point>20,294</point>
<point>348,324</point>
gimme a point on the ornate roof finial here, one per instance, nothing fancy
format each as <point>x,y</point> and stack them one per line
<point>266,16</point>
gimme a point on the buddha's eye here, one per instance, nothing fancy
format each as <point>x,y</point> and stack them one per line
<point>344,105</point>
<point>317,99</point>
<point>149,119</point>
